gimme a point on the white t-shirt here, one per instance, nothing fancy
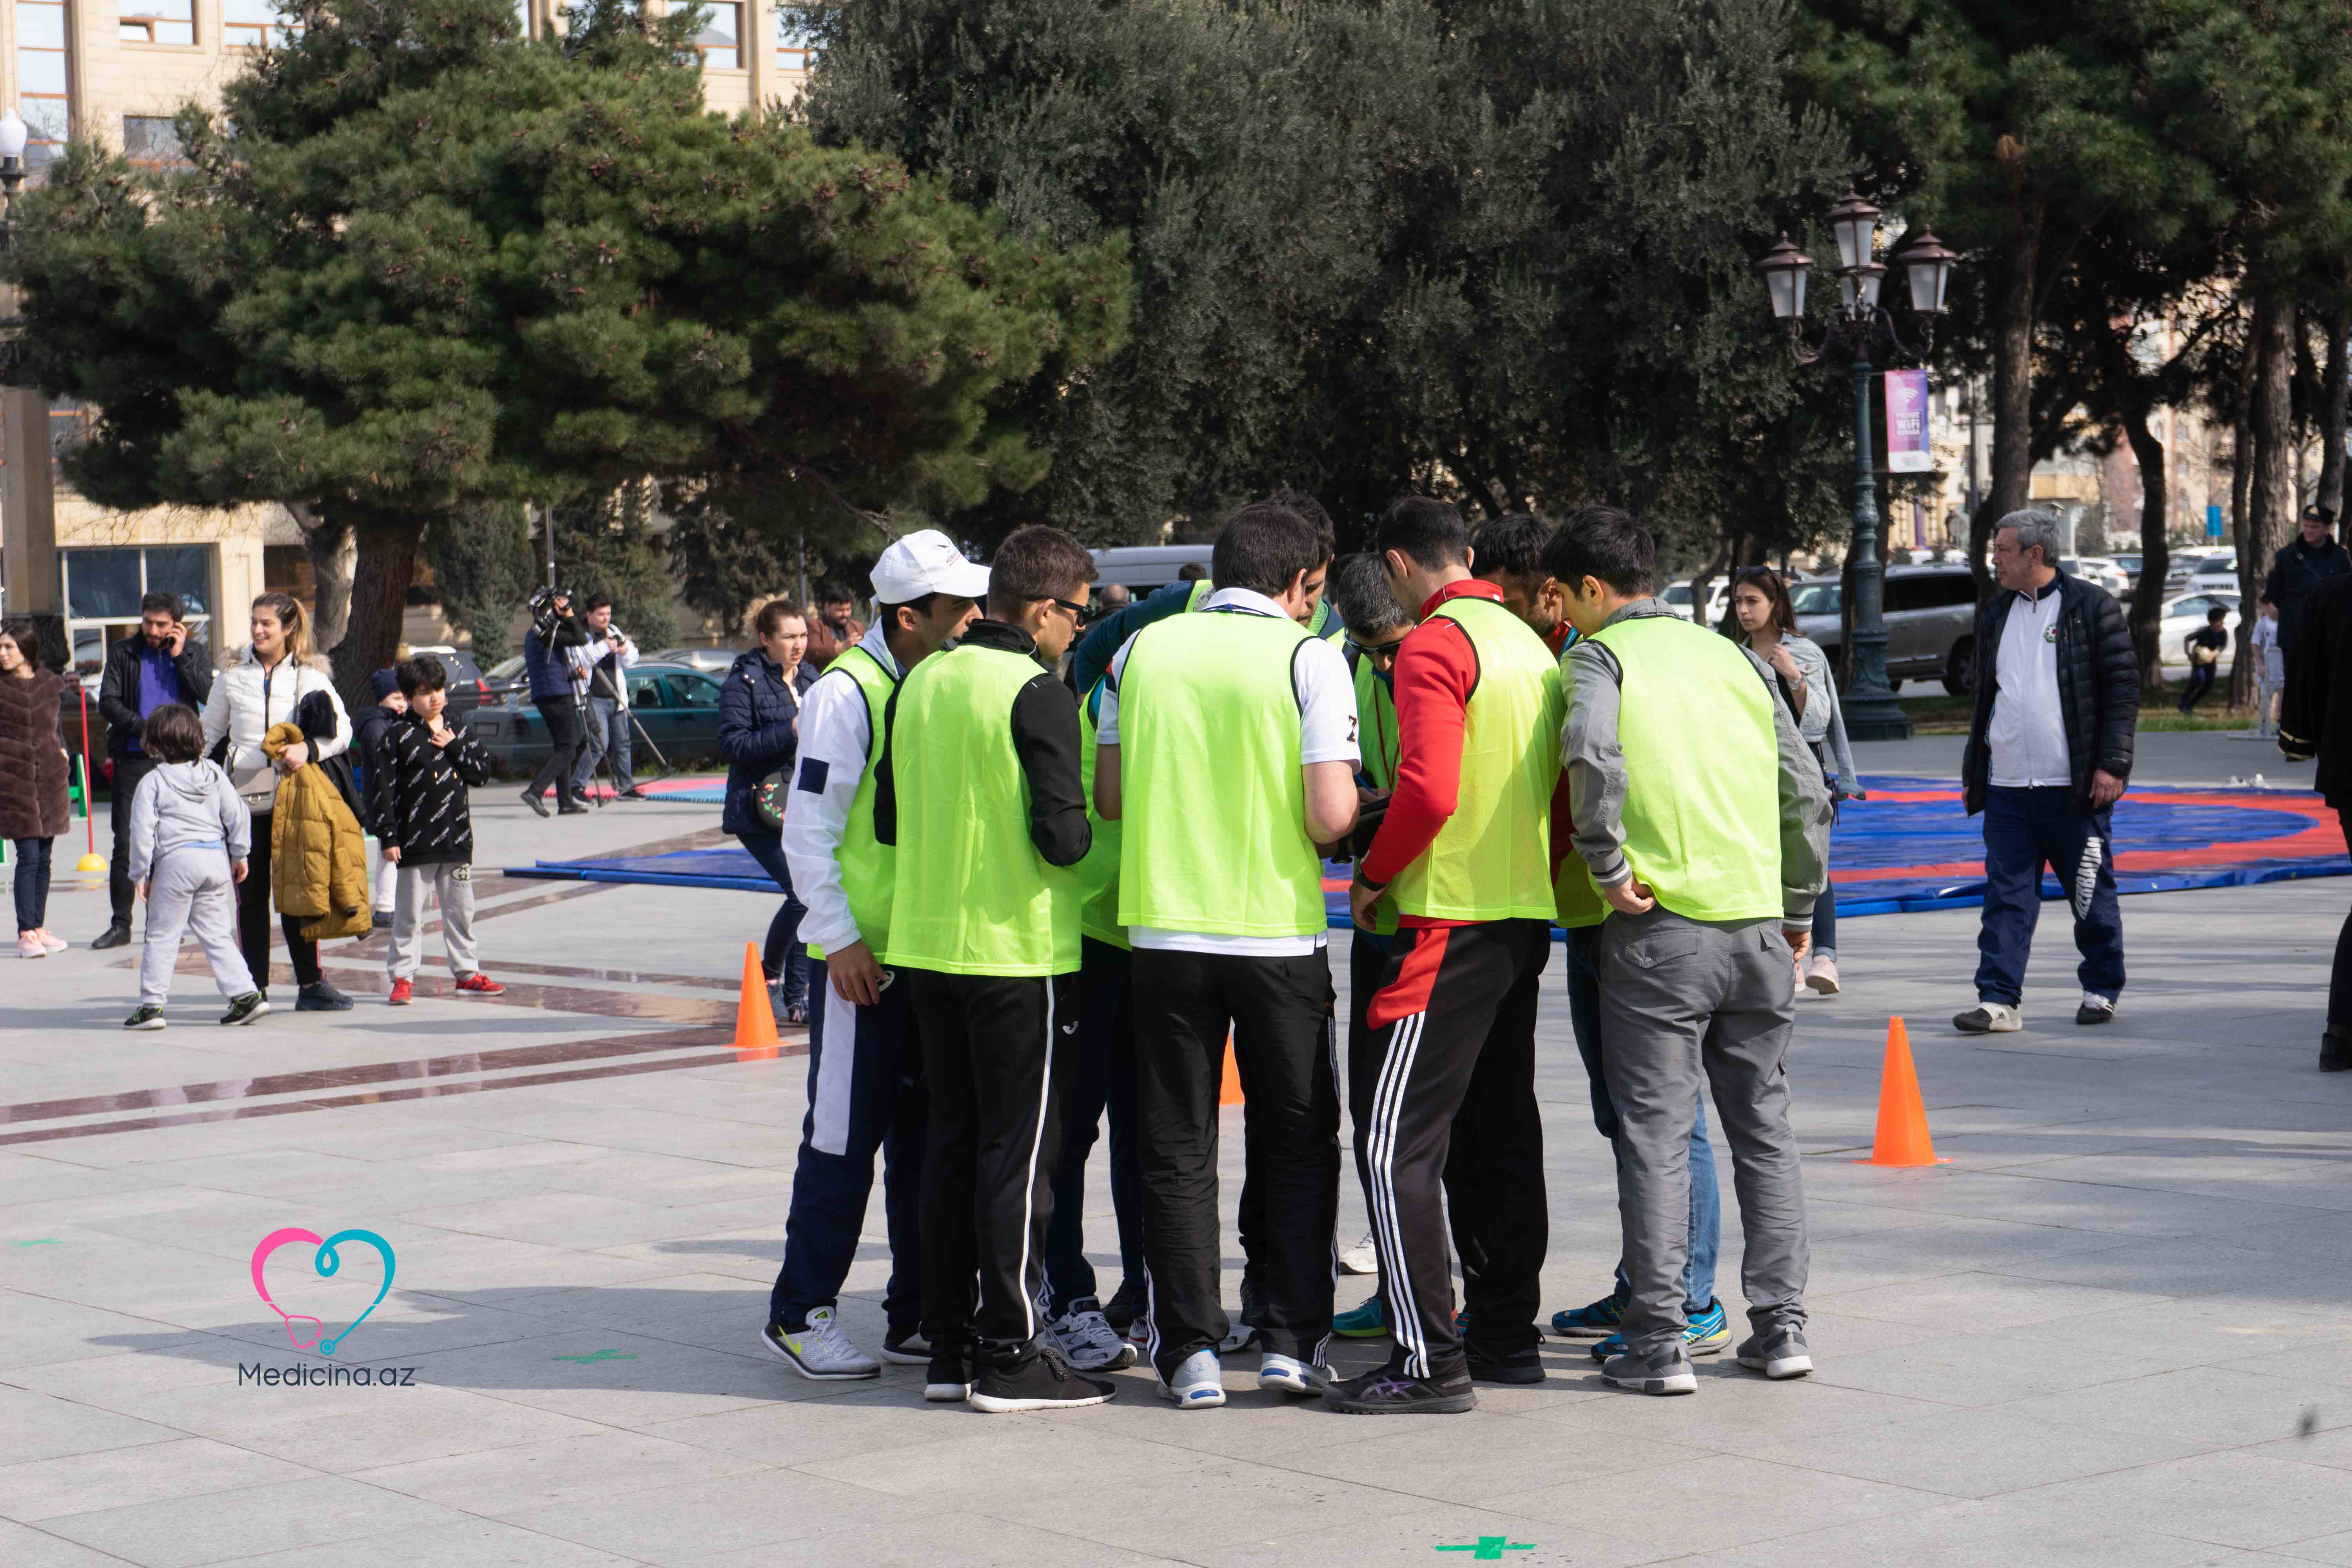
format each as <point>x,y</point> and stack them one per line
<point>2027,733</point>
<point>1326,733</point>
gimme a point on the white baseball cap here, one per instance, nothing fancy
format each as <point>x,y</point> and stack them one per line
<point>926,562</point>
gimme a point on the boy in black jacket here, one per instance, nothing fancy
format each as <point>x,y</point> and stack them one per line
<point>427,828</point>
<point>367,750</point>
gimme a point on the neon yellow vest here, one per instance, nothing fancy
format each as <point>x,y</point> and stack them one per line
<point>1492,860</point>
<point>1701,763</point>
<point>1376,734</point>
<point>865,865</point>
<point>1324,623</point>
<point>1577,900</point>
<point>973,895</point>
<point>1098,872</point>
<point>1209,777</point>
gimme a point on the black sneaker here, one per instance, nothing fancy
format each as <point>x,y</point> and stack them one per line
<point>320,996</point>
<point>1523,1363</point>
<point>1244,1333</point>
<point>949,1381</point>
<point>905,1347</point>
<point>245,1009</point>
<point>1125,1306</point>
<point>1665,1370</point>
<point>1386,1391</point>
<point>146,1016</point>
<point>571,808</point>
<point>534,802</point>
<point>116,934</point>
<point>380,919</point>
<point>1039,1382</point>
<point>2335,1052</point>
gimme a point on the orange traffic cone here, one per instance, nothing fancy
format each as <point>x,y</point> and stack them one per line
<point>1902,1117</point>
<point>755,1018</point>
<point>1229,1091</point>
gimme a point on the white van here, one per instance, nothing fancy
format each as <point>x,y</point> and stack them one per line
<point>1144,567</point>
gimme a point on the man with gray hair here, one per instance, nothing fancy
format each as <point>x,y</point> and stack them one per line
<point>2049,755</point>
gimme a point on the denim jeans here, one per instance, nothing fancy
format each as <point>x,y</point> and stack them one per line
<point>782,954</point>
<point>607,726</point>
<point>1825,918</point>
<point>2023,828</point>
<point>32,889</point>
<point>1705,1202</point>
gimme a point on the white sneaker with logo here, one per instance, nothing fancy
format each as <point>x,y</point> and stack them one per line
<point>1086,1340</point>
<point>1360,1257</point>
<point>822,1351</point>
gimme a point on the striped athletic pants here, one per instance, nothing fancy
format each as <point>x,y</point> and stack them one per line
<point>1442,1089</point>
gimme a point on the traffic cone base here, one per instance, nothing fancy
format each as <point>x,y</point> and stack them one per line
<point>1229,1091</point>
<point>755,1018</point>
<point>1903,1140</point>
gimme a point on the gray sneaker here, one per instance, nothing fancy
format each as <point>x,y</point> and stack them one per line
<point>1665,1370</point>
<point>1777,1353</point>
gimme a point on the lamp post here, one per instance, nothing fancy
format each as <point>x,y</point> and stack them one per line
<point>13,137</point>
<point>1860,326</point>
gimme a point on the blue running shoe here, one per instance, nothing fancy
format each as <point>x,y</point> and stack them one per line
<point>1368,1321</point>
<point>1600,1319</point>
<point>1705,1334</point>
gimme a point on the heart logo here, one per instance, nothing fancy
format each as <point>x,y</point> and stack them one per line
<point>327,1262</point>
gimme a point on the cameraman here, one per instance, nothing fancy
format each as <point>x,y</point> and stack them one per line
<point>546,657</point>
<point>603,697</point>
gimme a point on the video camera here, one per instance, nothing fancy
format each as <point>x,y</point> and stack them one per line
<point>542,600</point>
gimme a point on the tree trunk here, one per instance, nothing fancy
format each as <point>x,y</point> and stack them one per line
<point>2272,510</point>
<point>386,560</point>
<point>2012,390</point>
<point>327,540</point>
<point>2334,407</point>
<point>2147,599</point>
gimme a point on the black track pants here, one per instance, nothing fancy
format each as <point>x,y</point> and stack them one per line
<point>1442,1089</point>
<point>997,1053</point>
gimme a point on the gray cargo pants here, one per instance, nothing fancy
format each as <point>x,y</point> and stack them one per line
<point>1676,994</point>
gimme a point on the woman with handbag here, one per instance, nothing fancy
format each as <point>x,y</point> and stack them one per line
<point>264,684</point>
<point>35,806</point>
<point>759,734</point>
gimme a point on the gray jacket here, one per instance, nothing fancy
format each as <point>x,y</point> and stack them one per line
<point>186,802</point>
<point>1597,776</point>
<point>1823,723</point>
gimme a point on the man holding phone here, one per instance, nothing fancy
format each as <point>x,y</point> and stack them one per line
<point>162,663</point>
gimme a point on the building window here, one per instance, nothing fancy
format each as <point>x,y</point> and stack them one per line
<point>103,587</point>
<point>152,141</point>
<point>254,25</point>
<point>720,42</point>
<point>796,37</point>
<point>44,79</point>
<point>158,21</point>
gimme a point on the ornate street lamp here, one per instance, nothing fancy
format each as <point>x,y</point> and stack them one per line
<point>12,180</point>
<point>1858,326</point>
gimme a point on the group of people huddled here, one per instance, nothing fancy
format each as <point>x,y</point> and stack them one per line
<point>1033,900</point>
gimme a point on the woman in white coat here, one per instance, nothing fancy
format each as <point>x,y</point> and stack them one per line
<point>262,686</point>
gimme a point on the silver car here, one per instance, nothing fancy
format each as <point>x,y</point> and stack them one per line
<point>1931,621</point>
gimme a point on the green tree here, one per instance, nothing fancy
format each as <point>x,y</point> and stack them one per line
<point>436,267</point>
<point>483,568</point>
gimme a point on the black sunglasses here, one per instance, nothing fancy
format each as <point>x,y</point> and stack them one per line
<point>1376,650</point>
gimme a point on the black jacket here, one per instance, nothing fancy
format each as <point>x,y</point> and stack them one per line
<point>367,751</point>
<point>423,812</point>
<point>758,730</point>
<point>2296,574</point>
<point>2315,716</point>
<point>118,686</point>
<point>1044,731</point>
<point>2099,687</point>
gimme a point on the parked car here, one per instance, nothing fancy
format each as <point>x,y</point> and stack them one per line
<point>676,705</point>
<point>1719,594</point>
<point>2189,613</point>
<point>1930,614</point>
<point>716,660</point>
<point>2097,569</point>
<point>1144,567</point>
<point>2190,564</point>
<point>2130,565</point>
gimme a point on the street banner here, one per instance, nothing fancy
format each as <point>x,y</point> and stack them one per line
<point>1907,422</point>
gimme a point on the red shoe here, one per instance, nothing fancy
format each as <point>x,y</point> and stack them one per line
<point>481,984</point>
<point>401,991</point>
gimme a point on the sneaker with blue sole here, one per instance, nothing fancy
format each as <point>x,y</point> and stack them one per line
<point>1289,1375</point>
<point>1599,1320</point>
<point>1197,1384</point>
<point>1704,1333</point>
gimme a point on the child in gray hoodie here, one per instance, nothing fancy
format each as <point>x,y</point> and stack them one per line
<point>190,836</point>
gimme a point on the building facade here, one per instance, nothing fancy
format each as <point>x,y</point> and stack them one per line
<point>117,70</point>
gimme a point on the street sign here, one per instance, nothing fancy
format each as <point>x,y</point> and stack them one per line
<point>2212,522</point>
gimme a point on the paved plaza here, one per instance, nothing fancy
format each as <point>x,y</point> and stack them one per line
<point>2112,1330</point>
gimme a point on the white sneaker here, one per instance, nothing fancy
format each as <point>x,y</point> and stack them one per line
<point>822,1351</point>
<point>1199,1382</point>
<point>29,945</point>
<point>52,940</point>
<point>1361,1259</point>
<point>1990,1019</point>
<point>1821,974</point>
<point>1086,1340</point>
<point>1289,1375</point>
